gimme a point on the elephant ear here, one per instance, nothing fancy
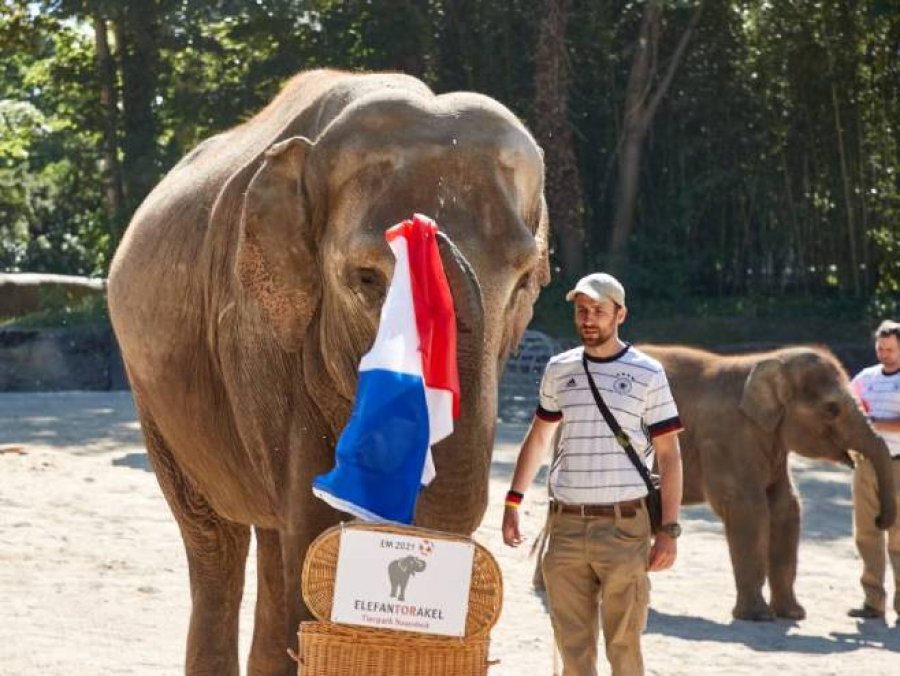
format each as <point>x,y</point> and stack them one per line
<point>766,391</point>
<point>276,260</point>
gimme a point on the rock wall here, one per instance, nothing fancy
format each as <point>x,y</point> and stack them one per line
<point>82,358</point>
<point>87,358</point>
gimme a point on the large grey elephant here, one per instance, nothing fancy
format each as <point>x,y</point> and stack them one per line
<point>742,414</point>
<point>248,286</point>
<point>399,571</point>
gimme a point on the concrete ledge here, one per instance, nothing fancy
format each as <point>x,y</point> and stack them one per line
<point>22,293</point>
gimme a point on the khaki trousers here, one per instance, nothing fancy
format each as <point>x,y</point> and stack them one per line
<point>598,563</point>
<point>870,539</point>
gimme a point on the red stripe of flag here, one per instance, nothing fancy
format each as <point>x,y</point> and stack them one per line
<point>435,313</point>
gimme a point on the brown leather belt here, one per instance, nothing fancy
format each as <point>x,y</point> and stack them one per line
<point>628,508</point>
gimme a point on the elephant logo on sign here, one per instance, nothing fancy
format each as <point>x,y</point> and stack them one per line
<point>399,571</point>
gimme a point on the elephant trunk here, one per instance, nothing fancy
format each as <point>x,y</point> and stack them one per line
<point>875,450</point>
<point>457,498</point>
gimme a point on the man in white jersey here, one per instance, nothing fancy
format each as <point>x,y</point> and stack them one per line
<point>599,542</point>
<point>878,390</point>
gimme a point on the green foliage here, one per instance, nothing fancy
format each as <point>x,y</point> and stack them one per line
<point>21,125</point>
<point>59,310</point>
<point>50,204</point>
<point>770,171</point>
<point>886,299</point>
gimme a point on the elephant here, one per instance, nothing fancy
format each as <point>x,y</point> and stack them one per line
<point>249,284</point>
<point>741,416</point>
<point>399,571</point>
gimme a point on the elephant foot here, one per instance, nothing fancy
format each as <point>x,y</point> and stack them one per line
<point>789,611</point>
<point>758,611</point>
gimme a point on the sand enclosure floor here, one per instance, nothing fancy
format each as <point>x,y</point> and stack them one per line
<point>93,578</point>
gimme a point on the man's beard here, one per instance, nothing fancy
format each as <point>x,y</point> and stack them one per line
<point>598,338</point>
<point>890,366</point>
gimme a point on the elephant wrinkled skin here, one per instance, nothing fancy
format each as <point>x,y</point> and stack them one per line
<point>248,286</point>
<point>742,414</point>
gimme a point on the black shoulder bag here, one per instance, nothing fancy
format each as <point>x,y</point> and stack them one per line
<point>654,497</point>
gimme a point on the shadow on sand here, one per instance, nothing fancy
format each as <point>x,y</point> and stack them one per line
<point>134,461</point>
<point>83,423</point>
<point>774,636</point>
<point>824,490</point>
<point>504,470</point>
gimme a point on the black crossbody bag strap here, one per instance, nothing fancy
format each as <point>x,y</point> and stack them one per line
<point>621,437</point>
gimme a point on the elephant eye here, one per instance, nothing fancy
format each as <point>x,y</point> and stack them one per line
<point>369,283</point>
<point>368,276</point>
<point>832,409</point>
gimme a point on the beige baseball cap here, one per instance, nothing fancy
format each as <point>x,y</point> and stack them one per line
<point>598,286</point>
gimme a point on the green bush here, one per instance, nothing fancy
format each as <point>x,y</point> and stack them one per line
<point>60,311</point>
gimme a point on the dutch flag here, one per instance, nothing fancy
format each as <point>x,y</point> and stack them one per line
<point>408,391</point>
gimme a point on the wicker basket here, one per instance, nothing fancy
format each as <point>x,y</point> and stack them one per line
<point>329,649</point>
<point>485,589</point>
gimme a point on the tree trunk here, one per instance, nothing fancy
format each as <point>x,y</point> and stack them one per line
<point>112,176</point>
<point>641,103</point>
<point>848,200</point>
<point>626,190</point>
<point>554,133</point>
<point>634,128</point>
<point>136,33</point>
<point>863,203</point>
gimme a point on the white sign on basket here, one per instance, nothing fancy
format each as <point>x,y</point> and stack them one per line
<point>403,582</point>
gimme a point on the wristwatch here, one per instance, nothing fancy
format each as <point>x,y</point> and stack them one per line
<point>673,530</point>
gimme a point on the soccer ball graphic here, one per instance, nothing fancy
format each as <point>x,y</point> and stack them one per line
<point>426,547</point>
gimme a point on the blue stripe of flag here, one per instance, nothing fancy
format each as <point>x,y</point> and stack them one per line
<point>380,454</point>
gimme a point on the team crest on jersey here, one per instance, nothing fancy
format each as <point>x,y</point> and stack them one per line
<point>623,383</point>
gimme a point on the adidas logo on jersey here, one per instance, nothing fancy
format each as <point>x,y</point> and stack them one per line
<point>571,383</point>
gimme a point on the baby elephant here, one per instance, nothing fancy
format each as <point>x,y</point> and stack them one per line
<point>399,571</point>
<point>741,415</point>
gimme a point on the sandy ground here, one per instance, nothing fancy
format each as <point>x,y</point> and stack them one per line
<point>93,578</point>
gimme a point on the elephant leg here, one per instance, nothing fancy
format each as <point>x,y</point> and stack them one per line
<point>216,560</point>
<point>271,634</point>
<point>784,540</point>
<point>216,553</point>
<point>746,522</point>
